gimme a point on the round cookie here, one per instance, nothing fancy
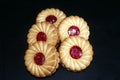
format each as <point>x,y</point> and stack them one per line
<point>75,53</point>
<point>73,26</point>
<point>51,15</point>
<point>41,59</point>
<point>44,32</point>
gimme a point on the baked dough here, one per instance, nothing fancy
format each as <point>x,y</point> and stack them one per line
<point>75,53</point>
<point>41,59</point>
<point>44,32</point>
<point>73,26</point>
<point>51,15</point>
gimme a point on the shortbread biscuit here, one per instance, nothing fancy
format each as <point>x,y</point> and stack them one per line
<point>51,15</point>
<point>75,53</point>
<point>41,59</point>
<point>73,26</point>
<point>44,32</point>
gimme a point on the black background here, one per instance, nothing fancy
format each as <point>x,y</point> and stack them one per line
<point>103,17</point>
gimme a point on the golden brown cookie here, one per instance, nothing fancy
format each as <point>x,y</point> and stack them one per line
<point>73,26</point>
<point>44,32</point>
<point>76,53</point>
<point>41,59</point>
<point>51,15</point>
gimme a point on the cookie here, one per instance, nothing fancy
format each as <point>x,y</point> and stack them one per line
<point>76,53</point>
<point>41,59</point>
<point>51,15</point>
<point>44,32</point>
<point>73,26</point>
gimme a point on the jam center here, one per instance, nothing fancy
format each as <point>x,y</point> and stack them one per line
<point>75,52</point>
<point>73,30</point>
<point>39,58</point>
<point>41,36</point>
<point>51,18</point>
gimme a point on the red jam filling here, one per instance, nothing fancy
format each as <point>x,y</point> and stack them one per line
<point>73,30</point>
<point>39,58</point>
<point>75,52</point>
<point>51,18</point>
<point>41,36</point>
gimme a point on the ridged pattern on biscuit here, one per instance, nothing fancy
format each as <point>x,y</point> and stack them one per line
<point>49,29</point>
<point>51,11</point>
<point>51,59</point>
<point>73,21</point>
<point>76,64</point>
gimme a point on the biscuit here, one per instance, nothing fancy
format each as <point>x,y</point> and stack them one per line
<point>75,53</point>
<point>44,32</point>
<point>51,15</point>
<point>73,26</point>
<point>41,59</point>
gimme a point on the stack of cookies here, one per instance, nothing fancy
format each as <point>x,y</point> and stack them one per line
<point>52,27</point>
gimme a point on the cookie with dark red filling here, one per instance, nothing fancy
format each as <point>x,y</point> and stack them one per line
<point>44,32</point>
<point>73,26</point>
<point>76,53</point>
<point>41,59</point>
<point>51,15</point>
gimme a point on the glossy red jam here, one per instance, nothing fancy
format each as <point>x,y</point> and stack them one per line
<point>75,52</point>
<point>73,30</point>
<point>41,36</point>
<point>39,59</point>
<point>51,18</point>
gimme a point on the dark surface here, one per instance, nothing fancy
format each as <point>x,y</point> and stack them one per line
<point>102,17</point>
